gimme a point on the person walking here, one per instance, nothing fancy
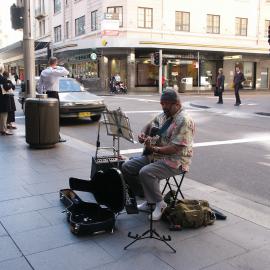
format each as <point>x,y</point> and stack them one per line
<point>220,85</point>
<point>48,82</point>
<point>237,82</point>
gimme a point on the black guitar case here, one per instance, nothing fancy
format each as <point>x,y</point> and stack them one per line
<point>110,192</point>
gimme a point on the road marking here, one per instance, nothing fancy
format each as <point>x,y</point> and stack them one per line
<point>189,110</point>
<point>20,117</point>
<point>139,99</point>
<point>264,163</point>
<point>213,143</point>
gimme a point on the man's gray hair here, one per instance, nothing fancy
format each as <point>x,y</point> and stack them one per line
<point>52,60</point>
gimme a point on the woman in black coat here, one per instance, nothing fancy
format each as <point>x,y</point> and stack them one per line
<point>5,102</point>
<point>220,85</point>
<point>12,106</point>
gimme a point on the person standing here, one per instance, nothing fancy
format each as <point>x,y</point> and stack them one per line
<point>7,83</point>
<point>16,77</point>
<point>170,155</point>
<point>237,82</point>
<point>48,82</point>
<point>5,106</point>
<point>220,85</point>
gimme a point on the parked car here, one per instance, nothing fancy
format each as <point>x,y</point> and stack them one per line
<point>75,102</point>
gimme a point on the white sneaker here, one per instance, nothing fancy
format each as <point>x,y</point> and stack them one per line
<point>157,213</point>
<point>144,206</point>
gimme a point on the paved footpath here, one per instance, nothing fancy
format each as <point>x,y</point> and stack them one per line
<point>34,233</point>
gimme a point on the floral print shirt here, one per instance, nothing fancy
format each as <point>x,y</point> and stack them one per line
<point>180,132</point>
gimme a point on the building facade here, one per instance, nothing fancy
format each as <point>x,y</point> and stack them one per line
<point>194,37</point>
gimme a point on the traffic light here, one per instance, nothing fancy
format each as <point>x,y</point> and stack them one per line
<point>156,58</point>
<point>16,17</point>
<point>269,34</point>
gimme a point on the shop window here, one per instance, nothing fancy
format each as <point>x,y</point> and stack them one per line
<point>263,80</point>
<point>182,21</point>
<point>57,6</point>
<point>57,33</point>
<point>79,26</point>
<point>145,17</point>
<point>119,11</point>
<point>147,74</point>
<point>266,25</point>
<point>213,24</point>
<point>241,26</point>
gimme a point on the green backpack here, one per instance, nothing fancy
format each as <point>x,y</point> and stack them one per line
<point>188,213</point>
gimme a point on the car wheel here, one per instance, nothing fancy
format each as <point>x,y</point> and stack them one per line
<point>95,117</point>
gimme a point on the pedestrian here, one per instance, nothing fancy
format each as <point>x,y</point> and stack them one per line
<point>16,77</point>
<point>168,156</point>
<point>7,83</point>
<point>220,85</point>
<point>237,82</point>
<point>5,104</point>
<point>48,82</point>
<point>163,82</point>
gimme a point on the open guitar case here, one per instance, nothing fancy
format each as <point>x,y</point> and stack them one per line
<point>111,195</point>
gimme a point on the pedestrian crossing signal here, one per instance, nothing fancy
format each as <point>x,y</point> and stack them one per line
<point>156,58</point>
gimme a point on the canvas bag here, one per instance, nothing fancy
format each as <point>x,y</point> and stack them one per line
<point>189,214</point>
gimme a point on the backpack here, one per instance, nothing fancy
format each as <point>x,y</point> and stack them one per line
<point>188,213</point>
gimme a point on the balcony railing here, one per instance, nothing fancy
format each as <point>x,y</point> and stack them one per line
<point>40,13</point>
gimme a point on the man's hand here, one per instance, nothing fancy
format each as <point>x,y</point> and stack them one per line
<point>142,137</point>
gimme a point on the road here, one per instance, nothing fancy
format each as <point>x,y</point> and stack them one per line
<point>231,145</point>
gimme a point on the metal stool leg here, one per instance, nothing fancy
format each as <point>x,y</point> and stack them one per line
<point>178,186</point>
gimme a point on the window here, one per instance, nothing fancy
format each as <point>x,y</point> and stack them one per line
<point>119,11</point>
<point>57,6</point>
<point>57,33</point>
<point>182,21</point>
<point>67,30</point>
<point>267,23</point>
<point>79,26</point>
<point>41,28</point>
<point>241,26</point>
<point>145,17</point>
<point>213,24</point>
<point>94,20</point>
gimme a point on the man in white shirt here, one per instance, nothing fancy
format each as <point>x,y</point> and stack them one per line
<point>48,82</point>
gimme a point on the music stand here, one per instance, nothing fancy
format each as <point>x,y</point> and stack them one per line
<point>118,126</point>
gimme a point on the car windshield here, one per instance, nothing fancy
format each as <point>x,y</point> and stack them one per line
<point>69,86</point>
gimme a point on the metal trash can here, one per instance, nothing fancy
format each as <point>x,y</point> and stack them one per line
<point>41,122</point>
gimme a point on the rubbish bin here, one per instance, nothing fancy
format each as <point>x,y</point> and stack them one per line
<point>41,122</point>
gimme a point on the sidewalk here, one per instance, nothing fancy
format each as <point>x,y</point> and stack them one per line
<point>34,234</point>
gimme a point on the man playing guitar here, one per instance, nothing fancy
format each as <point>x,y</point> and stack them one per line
<point>171,153</point>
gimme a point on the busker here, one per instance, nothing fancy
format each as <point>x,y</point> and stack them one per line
<point>48,82</point>
<point>170,155</point>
